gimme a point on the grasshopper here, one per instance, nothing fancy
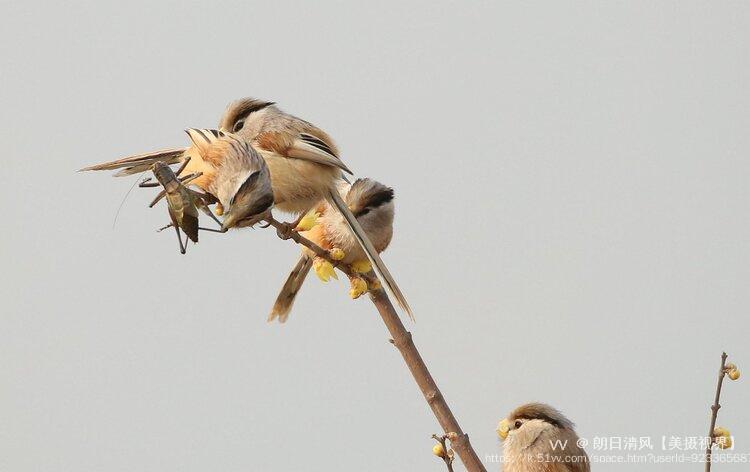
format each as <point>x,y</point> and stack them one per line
<point>182,202</point>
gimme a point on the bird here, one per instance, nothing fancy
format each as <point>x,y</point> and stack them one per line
<point>371,203</point>
<point>538,438</point>
<point>223,165</point>
<point>305,168</point>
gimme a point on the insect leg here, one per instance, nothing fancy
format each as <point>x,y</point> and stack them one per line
<point>179,238</point>
<point>190,177</point>
<point>183,165</point>
<point>156,200</point>
<point>211,215</point>
<point>212,230</point>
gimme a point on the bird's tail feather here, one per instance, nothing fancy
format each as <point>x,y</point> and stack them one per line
<point>288,293</point>
<point>372,254</point>
<point>139,163</point>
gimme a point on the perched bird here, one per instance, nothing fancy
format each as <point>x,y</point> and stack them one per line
<point>305,168</point>
<point>538,438</point>
<point>372,204</point>
<point>225,166</point>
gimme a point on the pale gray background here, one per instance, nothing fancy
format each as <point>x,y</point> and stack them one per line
<point>572,227</point>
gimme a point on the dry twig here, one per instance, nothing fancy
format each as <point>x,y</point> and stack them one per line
<point>723,371</point>
<point>402,339</point>
<point>443,451</point>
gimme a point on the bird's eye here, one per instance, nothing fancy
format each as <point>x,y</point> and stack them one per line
<point>238,126</point>
<point>517,424</point>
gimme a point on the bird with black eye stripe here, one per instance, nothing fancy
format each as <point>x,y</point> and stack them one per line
<point>224,166</point>
<point>305,169</point>
<point>538,438</point>
<point>372,204</point>
<point>304,166</point>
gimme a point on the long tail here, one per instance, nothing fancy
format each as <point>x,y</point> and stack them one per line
<point>139,163</point>
<point>377,263</point>
<point>285,300</point>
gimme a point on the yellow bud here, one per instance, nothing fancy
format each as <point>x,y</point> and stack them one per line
<point>219,210</point>
<point>724,442</point>
<point>324,269</point>
<point>336,254</point>
<point>730,366</point>
<point>721,432</point>
<point>438,450</point>
<point>308,221</point>
<point>502,429</point>
<point>359,287</point>
<point>734,374</point>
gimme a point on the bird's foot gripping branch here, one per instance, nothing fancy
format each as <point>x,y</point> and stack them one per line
<point>233,167</point>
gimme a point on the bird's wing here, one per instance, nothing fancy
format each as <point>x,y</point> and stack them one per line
<point>204,143</point>
<point>190,223</point>
<point>334,198</point>
<point>300,146</point>
<point>140,162</point>
<point>212,145</point>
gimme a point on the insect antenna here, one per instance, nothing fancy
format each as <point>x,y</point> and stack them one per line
<point>117,213</point>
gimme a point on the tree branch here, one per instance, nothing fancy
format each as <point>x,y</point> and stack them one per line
<point>281,230</point>
<point>715,410</point>
<point>447,455</point>
<point>402,339</point>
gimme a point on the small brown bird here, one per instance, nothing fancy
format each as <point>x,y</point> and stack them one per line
<point>372,204</point>
<point>226,167</point>
<point>538,438</point>
<point>305,168</point>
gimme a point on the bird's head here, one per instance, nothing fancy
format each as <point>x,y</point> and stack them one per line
<point>246,204</point>
<point>528,422</point>
<point>245,117</point>
<point>369,197</point>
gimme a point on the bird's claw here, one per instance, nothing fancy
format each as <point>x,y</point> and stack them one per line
<point>285,230</point>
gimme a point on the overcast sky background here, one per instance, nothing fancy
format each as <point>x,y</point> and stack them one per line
<point>572,227</point>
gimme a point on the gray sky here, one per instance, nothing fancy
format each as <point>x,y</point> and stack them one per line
<point>571,227</point>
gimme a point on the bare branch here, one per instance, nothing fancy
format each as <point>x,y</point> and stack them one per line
<point>715,410</point>
<point>299,239</point>
<point>447,454</point>
<point>402,339</point>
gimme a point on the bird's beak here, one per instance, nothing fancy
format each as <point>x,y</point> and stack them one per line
<point>230,220</point>
<point>502,429</point>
